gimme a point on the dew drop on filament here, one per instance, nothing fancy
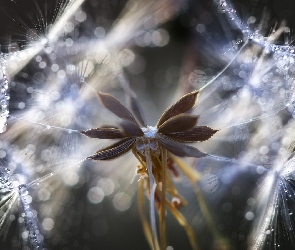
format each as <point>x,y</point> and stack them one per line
<point>4,96</point>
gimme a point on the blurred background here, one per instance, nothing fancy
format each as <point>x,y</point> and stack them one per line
<point>96,208</point>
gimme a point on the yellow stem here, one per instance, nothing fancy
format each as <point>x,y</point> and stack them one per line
<point>183,222</point>
<point>195,177</point>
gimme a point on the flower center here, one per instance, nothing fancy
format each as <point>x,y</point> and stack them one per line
<point>148,140</point>
<point>149,131</point>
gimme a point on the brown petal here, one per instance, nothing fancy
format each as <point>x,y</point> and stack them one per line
<point>104,133</point>
<point>114,150</point>
<point>178,123</point>
<point>179,149</point>
<point>131,128</point>
<point>136,109</point>
<point>109,126</point>
<point>113,105</point>
<point>184,104</point>
<point>199,133</point>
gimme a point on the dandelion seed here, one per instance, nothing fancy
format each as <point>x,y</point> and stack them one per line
<point>12,196</point>
<point>276,198</point>
<point>254,88</point>
<point>152,147</point>
<point>4,94</point>
<point>19,60</point>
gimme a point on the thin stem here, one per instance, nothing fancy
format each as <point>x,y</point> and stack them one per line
<point>226,67</point>
<point>195,177</point>
<point>54,172</point>
<point>208,217</point>
<point>152,187</point>
<point>183,222</point>
<point>163,199</point>
<point>44,125</point>
<point>260,117</point>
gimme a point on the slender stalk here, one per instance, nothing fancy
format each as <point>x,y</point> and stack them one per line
<point>163,239</point>
<point>183,222</point>
<point>152,188</point>
<point>192,174</point>
<point>195,177</point>
<point>208,217</point>
<point>225,68</point>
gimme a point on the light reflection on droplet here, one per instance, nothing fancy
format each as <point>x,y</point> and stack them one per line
<point>48,224</point>
<point>107,185</point>
<point>43,194</point>
<point>122,201</point>
<point>249,215</point>
<point>28,199</point>
<point>71,179</point>
<point>127,57</point>
<point>99,32</point>
<point>95,195</point>
<point>25,235</point>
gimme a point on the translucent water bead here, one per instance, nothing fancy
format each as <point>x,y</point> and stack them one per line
<point>4,99</point>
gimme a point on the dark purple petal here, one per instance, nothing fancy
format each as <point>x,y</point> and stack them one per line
<point>178,123</point>
<point>199,133</point>
<point>184,104</point>
<point>131,128</point>
<point>104,133</point>
<point>114,150</point>
<point>113,105</point>
<point>137,111</point>
<point>109,126</point>
<point>179,149</point>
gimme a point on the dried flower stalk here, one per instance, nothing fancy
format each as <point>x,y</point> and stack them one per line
<point>155,147</point>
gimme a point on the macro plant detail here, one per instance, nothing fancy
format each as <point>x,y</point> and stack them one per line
<point>73,158</point>
<point>12,197</point>
<point>153,146</point>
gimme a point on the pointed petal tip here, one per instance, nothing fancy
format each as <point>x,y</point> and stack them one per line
<point>91,157</point>
<point>84,132</point>
<point>115,106</point>
<point>196,91</point>
<point>184,104</point>
<point>197,134</point>
<point>214,131</point>
<point>99,93</point>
